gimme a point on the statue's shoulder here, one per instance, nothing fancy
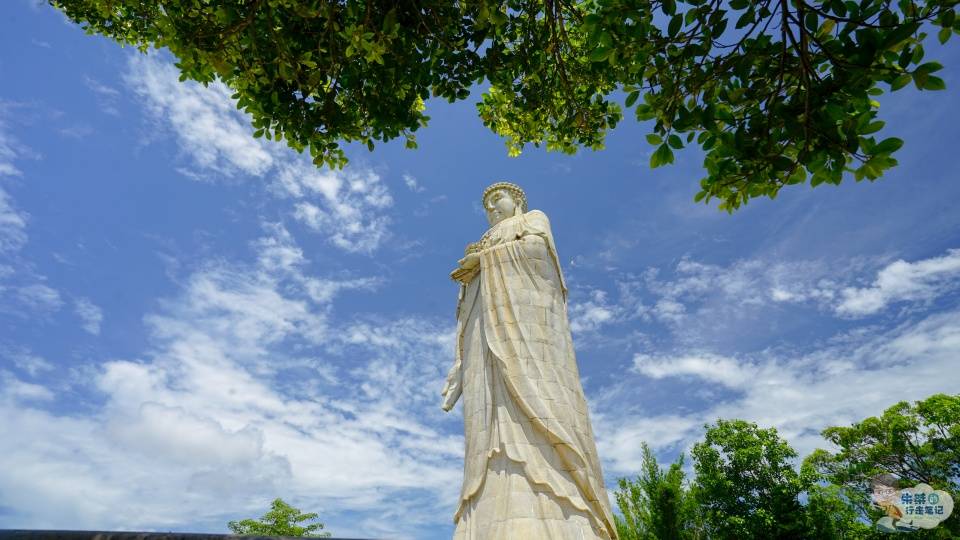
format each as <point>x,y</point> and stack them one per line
<point>537,215</point>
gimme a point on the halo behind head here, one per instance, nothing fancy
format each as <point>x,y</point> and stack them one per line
<point>516,192</point>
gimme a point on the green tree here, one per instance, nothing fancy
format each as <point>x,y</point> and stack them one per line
<point>830,515</point>
<point>281,520</point>
<point>746,485</point>
<point>776,92</point>
<point>656,506</point>
<point>917,442</point>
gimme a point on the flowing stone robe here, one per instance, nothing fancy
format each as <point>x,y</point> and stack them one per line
<point>531,468</point>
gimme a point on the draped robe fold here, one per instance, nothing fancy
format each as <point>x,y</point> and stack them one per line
<point>531,468</point>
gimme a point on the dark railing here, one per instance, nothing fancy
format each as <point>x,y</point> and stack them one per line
<point>30,534</point>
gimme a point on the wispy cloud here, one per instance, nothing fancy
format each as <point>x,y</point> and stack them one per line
<point>39,298</point>
<point>695,299</point>
<point>412,184</point>
<point>25,360</point>
<point>91,316</point>
<point>9,148</point>
<point>206,123</point>
<point>841,380</point>
<point>590,314</point>
<point>708,367</point>
<point>225,408</point>
<point>13,224</point>
<point>22,290</point>
<point>347,207</point>
<point>903,281</point>
<point>107,96</point>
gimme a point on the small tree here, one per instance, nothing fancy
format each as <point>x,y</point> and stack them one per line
<point>655,506</point>
<point>281,520</point>
<point>746,485</point>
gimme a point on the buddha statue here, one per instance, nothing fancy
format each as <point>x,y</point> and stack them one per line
<point>531,469</point>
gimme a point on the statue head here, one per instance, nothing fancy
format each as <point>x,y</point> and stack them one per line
<point>503,200</point>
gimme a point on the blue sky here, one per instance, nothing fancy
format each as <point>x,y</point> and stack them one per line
<point>193,322</point>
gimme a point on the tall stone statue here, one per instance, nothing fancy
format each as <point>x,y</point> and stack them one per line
<point>531,469</point>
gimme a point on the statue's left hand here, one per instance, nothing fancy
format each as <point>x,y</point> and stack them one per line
<point>469,261</point>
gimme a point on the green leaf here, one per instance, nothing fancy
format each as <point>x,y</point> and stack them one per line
<point>944,34</point>
<point>675,142</point>
<point>934,83</point>
<point>669,7</point>
<point>600,54</point>
<point>654,139</point>
<point>662,156</point>
<point>872,127</point>
<point>676,22</point>
<point>900,82</point>
<point>930,67</point>
<point>888,146</point>
<point>826,28</point>
<point>632,98</point>
<point>644,112</point>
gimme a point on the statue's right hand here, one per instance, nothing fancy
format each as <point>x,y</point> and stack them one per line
<point>451,393</point>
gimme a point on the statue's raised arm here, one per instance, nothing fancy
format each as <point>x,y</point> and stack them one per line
<point>531,468</point>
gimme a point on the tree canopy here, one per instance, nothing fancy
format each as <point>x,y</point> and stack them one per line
<point>281,520</point>
<point>917,442</point>
<point>776,92</point>
<point>745,484</point>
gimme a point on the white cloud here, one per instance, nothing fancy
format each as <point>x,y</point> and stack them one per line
<point>208,126</point>
<point>107,96</point>
<point>843,380</point>
<point>411,182</point>
<point>710,367</point>
<point>39,298</point>
<point>224,412</point>
<point>277,251</point>
<point>100,88</point>
<point>591,314</point>
<point>619,438</point>
<point>9,149</point>
<point>76,132</point>
<point>697,299</point>
<point>278,254</point>
<point>14,388</point>
<point>26,361</point>
<point>901,281</point>
<point>13,224</point>
<point>90,315</point>
<point>348,207</point>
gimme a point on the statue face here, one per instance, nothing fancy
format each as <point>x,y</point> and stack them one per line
<point>499,206</point>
